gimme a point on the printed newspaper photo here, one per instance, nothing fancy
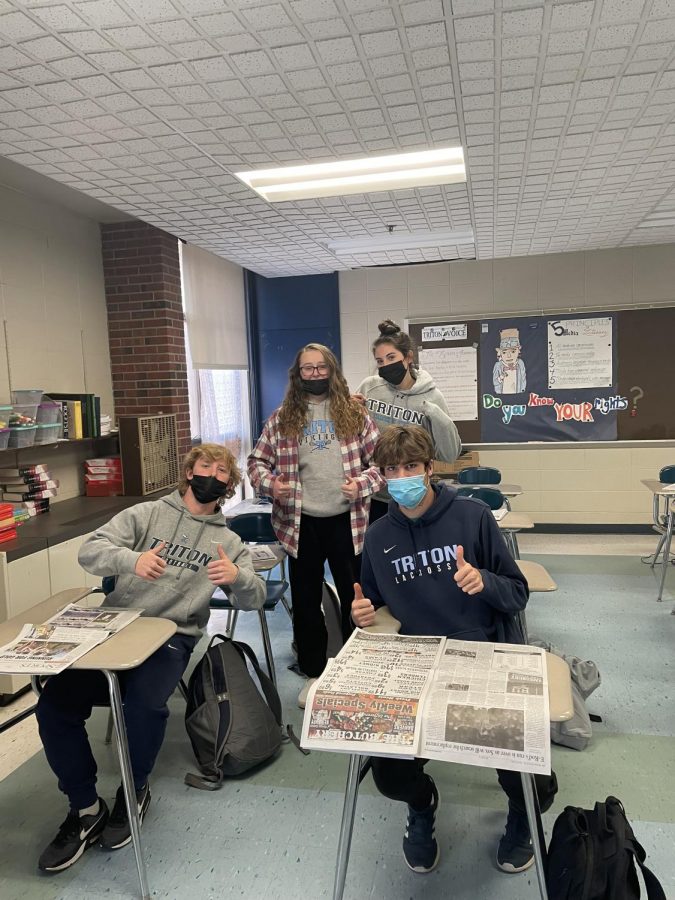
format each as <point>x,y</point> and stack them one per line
<point>459,701</point>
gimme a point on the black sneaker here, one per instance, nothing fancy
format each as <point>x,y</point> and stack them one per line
<point>420,849</point>
<point>117,832</point>
<point>76,834</point>
<point>515,853</point>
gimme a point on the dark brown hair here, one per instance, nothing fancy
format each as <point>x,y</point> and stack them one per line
<point>214,453</point>
<point>390,333</point>
<point>348,415</point>
<point>401,444</point>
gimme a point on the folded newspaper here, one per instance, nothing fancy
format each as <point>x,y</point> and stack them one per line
<point>51,647</point>
<point>459,701</point>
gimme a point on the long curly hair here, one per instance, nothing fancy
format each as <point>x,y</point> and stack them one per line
<point>348,415</point>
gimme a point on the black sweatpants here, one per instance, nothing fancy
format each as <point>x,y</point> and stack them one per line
<point>67,701</point>
<point>321,539</point>
<point>406,780</point>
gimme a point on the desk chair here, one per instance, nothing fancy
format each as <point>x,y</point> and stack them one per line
<point>479,475</point>
<point>561,709</point>
<point>663,518</point>
<point>256,528</point>
<point>509,525</point>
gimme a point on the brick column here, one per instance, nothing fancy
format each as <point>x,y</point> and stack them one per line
<point>145,323</point>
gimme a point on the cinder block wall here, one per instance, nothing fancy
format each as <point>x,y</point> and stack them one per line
<point>577,485</point>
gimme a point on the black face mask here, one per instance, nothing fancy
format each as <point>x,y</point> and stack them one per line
<point>394,373</point>
<point>207,488</point>
<point>316,386</point>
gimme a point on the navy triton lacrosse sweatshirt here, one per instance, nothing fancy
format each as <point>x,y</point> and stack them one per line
<point>409,566</point>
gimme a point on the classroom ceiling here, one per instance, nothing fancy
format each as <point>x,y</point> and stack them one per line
<point>566,111</point>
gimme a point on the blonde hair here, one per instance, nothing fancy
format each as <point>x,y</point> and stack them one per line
<point>348,415</point>
<point>214,453</point>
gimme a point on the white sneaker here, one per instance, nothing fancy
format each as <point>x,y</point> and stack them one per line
<point>302,696</point>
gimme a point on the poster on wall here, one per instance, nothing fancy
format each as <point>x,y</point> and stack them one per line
<point>549,379</point>
<point>580,353</point>
<point>455,372</point>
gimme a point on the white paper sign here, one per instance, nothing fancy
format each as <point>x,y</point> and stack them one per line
<point>579,353</point>
<point>452,332</point>
<point>455,371</point>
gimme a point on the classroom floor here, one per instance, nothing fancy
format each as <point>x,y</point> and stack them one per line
<point>273,834</point>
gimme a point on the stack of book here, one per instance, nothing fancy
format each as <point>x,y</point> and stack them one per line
<point>7,523</point>
<point>81,415</point>
<point>28,489</point>
<point>103,477</point>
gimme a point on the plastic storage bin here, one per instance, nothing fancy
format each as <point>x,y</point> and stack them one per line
<point>48,412</point>
<point>22,437</point>
<point>5,413</point>
<point>47,434</point>
<point>23,414</point>
<point>31,397</point>
<point>4,438</point>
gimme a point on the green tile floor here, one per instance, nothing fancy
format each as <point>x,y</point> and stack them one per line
<point>272,835</point>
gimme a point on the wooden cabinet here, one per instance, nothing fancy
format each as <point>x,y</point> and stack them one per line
<point>64,569</point>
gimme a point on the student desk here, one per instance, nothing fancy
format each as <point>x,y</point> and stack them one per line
<point>538,579</point>
<point>122,651</point>
<point>663,514</point>
<point>561,708</point>
<point>248,506</point>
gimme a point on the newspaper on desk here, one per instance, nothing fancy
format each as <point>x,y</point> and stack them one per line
<point>459,701</point>
<point>50,648</point>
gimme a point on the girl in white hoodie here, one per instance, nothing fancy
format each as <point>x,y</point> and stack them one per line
<point>402,394</point>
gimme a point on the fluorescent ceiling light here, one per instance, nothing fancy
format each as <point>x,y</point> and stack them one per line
<point>358,176</point>
<point>412,240</point>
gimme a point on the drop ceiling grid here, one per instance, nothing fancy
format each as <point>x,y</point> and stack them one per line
<point>151,106</point>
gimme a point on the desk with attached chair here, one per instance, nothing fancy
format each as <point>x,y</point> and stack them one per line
<point>127,649</point>
<point>561,709</point>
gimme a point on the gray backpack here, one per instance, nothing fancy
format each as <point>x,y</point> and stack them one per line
<point>232,725</point>
<point>577,731</point>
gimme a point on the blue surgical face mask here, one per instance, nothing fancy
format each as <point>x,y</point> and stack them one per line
<point>408,492</point>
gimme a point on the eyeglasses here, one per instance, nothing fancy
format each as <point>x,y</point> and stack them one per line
<point>307,371</point>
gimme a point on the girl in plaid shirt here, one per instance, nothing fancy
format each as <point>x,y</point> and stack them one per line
<point>314,458</point>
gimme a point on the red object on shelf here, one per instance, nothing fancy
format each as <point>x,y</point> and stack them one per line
<point>104,488</point>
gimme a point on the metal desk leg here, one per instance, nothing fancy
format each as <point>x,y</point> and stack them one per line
<point>536,830</point>
<point>127,778</point>
<point>666,550</point>
<point>347,825</point>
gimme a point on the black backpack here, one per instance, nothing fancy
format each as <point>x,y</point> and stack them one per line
<point>592,856</point>
<point>232,725</point>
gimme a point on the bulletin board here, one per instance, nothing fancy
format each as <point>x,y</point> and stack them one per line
<point>582,376</point>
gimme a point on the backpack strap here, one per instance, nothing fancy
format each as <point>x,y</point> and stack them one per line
<point>208,782</point>
<point>654,887</point>
<point>268,688</point>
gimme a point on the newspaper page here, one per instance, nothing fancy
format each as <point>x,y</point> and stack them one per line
<point>109,619</point>
<point>47,649</point>
<point>487,705</point>
<point>369,697</point>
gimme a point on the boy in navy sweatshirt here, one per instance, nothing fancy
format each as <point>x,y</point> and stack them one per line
<point>439,563</point>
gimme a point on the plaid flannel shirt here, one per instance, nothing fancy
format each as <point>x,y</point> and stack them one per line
<point>275,454</point>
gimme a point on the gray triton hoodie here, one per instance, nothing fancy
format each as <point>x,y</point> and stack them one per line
<point>422,404</point>
<point>183,591</point>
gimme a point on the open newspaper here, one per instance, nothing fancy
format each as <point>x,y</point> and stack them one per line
<point>459,701</point>
<point>51,647</point>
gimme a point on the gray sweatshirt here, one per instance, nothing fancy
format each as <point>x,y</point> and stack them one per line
<point>423,404</point>
<point>183,591</point>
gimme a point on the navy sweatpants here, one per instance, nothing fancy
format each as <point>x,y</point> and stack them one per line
<point>66,704</point>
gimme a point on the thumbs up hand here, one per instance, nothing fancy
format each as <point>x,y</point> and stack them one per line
<point>363,611</point>
<point>222,570</point>
<point>468,577</point>
<point>281,489</point>
<point>150,565</point>
<point>350,489</point>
